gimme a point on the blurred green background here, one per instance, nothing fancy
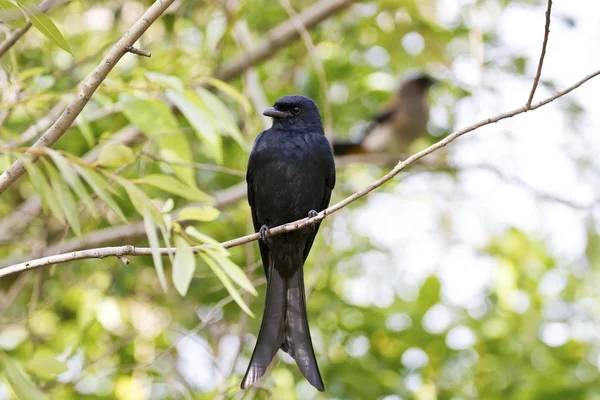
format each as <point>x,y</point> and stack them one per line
<point>478,280</point>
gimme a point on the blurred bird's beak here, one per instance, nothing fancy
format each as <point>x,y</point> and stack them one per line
<point>274,113</point>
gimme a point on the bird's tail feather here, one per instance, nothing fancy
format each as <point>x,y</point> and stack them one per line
<point>297,334</point>
<point>271,334</point>
<point>285,325</point>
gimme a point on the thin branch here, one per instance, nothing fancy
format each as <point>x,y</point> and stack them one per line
<point>301,223</point>
<point>536,80</point>
<point>200,166</point>
<point>280,36</point>
<point>91,83</point>
<point>135,50</point>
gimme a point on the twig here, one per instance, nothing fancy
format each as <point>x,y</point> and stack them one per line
<point>201,166</point>
<point>301,223</point>
<point>91,83</point>
<point>536,80</point>
<point>134,50</point>
<point>280,36</point>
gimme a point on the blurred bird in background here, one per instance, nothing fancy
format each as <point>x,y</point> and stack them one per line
<point>396,127</point>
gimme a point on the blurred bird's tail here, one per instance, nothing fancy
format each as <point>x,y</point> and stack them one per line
<point>284,324</point>
<point>346,148</point>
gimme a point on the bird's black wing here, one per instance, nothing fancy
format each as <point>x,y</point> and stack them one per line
<point>327,165</point>
<point>264,251</point>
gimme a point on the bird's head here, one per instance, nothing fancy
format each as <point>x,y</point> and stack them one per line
<point>418,84</point>
<point>295,111</point>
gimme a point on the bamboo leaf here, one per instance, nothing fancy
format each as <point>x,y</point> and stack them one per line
<point>140,201</point>
<point>195,112</point>
<point>184,265</point>
<point>233,271</point>
<point>203,214</point>
<point>20,383</point>
<point>43,189</point>
<point>101,188</point>
<point>115,155</point>
<point>151,229</point>
<point>233,292</point>
<point>72,179</point>
<point>205,239</point>
<point>64,196</point>
<point>172,185</point>
<point>231,92</point>
<point>45,365</point>
<point>223,118</point>
<point>44,24</point>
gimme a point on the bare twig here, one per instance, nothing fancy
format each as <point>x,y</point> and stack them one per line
<point>138,251</point>
<point>280,36</point>
<point>200,166</point>
<point>91,83</point>
<point>135,50</point>
<point>536,80</point>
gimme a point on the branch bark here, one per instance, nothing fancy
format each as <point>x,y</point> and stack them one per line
<point>138,251</point>
<point>91,83</point>
<point>538,73</point>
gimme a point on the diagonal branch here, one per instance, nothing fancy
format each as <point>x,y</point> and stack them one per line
<point>91,83</point>
<point>536,80</point>
<point>139,251</point>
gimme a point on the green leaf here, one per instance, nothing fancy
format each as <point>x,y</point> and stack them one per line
<point>203,214</point>
<point>64,196</point>
<point>70,176</point>
<point>101,188</point>
<point>115,155</point>
<point>43,189</point>
<point>168,80</point>
<point>184,265</point>
<point>223,118</point>
<point>233,271</point>
<point>205,239</point>
<point>20,383</point>
<point>12,336</point>
<point>233,292</point>
<point>157,122</point>
<point>7,6</point>
<point>140,201</point>
<point>172,185</point>
<point>195,112</point>
<point>86,130</point>
<point>45,365</point>
<point>231,92</point>
<point>151,229</point>
<point>44,24</point>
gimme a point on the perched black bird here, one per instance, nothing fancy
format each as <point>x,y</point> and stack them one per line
<point>396,127</point>
<point>291,174</point>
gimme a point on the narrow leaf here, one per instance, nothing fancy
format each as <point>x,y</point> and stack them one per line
<point>64,196</point>
<point>204,214</point>
<point>44,24</point>
<point>45,365</point>
<point>195,112</point>
<point>154,245</point>
<point>172,185</point>
<point>140,201</point>
<point>20,383</point>
<point>115,155</point>
<point>101,188</point>
<point>223,118</point>
<point>72,179</point>
<point>43,189</point>
<point>86,130</point>
<point>7,6</point>
<point>233,271</point>
<point>231,92</point>
<point>183,266</point>
<point>205,239</point>
<point>233,292</point>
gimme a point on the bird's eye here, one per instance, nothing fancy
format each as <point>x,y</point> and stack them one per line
<point>296,110</point>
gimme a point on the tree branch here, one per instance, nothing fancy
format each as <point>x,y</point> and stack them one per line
<point>536,80</point>
<point>138,251</point>
<point>91,83</point>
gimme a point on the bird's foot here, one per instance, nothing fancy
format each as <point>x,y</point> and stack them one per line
<point>263,231</point>
<point>312,214</point>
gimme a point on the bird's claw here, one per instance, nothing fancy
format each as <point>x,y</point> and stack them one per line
<point>312,214</point>
<point>263,231</point>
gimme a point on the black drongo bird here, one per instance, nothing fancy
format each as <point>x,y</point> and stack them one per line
<point>291,174</point>
<point>396,127</point>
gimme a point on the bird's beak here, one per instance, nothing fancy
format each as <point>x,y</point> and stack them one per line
<point>274,113</point>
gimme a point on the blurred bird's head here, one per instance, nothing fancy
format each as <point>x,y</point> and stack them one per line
<point>416,85</point>
<point>297,112</point>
